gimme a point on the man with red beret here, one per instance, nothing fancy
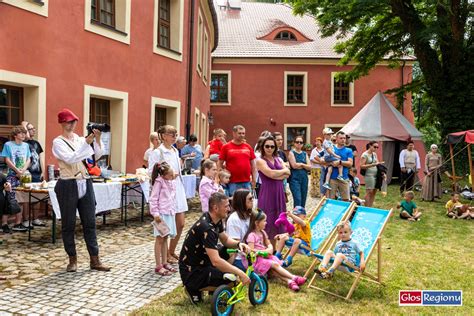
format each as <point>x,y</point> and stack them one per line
<point>74,188</point>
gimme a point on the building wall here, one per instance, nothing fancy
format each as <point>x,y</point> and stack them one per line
<point>76,63</point>
<point>257,97</point>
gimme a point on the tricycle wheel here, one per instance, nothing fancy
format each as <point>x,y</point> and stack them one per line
<point>219,302</point>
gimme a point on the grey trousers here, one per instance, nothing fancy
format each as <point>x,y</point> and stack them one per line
<point>68,199</point>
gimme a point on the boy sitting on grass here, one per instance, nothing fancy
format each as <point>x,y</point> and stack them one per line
<point>301,236</point>
<point>409,210</point>
<point>456,209</point>
<point>346,250</point>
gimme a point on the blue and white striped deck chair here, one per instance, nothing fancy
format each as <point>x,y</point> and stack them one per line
<point>323,221</point>
<point>367,227</point>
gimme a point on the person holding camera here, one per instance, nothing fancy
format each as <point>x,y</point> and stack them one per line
<point>74,188</point>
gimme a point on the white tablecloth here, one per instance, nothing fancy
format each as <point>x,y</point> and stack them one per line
<point>189,182</point>
<point>108,197</point>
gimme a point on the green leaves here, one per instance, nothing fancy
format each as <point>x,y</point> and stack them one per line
<point>439,33</point>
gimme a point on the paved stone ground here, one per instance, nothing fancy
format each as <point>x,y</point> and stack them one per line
<point>38,284</point>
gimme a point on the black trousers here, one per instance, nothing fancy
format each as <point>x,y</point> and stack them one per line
<point>407,180</point>
<point>198,277</point>
<point>68,199</point>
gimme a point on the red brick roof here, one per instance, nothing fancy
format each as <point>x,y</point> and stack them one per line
<point>239,31</point>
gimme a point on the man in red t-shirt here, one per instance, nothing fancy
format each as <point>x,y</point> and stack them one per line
<point>239,158</point>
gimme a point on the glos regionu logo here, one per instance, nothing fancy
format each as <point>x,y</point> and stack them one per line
<point>429,298</point>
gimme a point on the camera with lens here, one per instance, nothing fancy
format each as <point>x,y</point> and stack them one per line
<point>103,127</point>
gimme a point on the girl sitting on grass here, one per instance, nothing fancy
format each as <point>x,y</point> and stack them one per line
<point>456,209</point>
<point>409,210</point>
<point>257,239</point>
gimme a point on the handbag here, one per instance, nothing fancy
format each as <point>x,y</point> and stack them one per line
<point>255,200</point>
<point>363,171</point>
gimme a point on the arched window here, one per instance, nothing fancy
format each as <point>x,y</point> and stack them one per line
<point>285,36</point>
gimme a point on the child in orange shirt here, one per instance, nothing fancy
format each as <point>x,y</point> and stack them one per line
<point>301,239</point>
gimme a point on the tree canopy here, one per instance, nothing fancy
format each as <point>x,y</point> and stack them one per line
<point>439,33</point>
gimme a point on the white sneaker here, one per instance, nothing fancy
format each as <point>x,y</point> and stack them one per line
<point>27,225</point>
<point>230,277</point>
<point>38,222</point>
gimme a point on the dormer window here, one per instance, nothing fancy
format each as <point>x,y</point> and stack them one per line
<point>285,36</point>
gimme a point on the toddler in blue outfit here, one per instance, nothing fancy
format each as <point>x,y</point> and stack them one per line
<point>346,250</point>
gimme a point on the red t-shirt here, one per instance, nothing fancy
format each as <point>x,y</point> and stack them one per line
<point>215,146</point>
<point>238,158</point>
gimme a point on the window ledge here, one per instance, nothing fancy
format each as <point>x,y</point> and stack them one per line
<point>169,50</point>
<point>108,27</point>
<point>169,53</point>
<point>295,104</point>
<point>220,103</point>
<point>343,105</point>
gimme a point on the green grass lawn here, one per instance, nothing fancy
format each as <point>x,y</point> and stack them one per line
<point>433,254</point>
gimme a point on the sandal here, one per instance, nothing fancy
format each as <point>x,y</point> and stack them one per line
<point>173,258</point>
<point>170,268</point>
<point>293,286</point>
<point>162,271</point>
<point>299,280</point>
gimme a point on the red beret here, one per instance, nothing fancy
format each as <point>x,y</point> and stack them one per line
<point>66,115</point>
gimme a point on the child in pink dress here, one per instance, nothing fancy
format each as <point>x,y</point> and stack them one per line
<point>163,209</point>
<point>208,184</point>
<point>257,239</point>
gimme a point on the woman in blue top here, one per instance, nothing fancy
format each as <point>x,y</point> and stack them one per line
<point>300,165</point>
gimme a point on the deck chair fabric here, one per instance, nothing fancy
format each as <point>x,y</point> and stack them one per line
<point>323,221</point>
<point>367,227</point>
<point>326,220</point>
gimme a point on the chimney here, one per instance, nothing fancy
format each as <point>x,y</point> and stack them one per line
<point>222,4</point>
<point>235,4</point>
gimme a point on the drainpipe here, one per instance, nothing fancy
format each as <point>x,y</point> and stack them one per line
<point>190,70</point>
<point>403,99</point>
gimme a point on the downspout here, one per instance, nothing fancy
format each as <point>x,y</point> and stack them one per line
<point>190,70</point>
<point>403,97</point>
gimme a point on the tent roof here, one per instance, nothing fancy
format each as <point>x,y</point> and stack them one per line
<point>467,136</point>
<point>380,120</point>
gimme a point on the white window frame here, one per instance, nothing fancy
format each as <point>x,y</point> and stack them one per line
<point>202,136</point>
<point>172,54</point>
<point>120,35</point>
<point>285,134</point>
<point>118,119</point>
<point>172,117</point>
<point>305,88</point>
<point>351,93</point>
<point>29,5</point>
<point>34,100</point>
<point>205,55</point>
<point>229,87</point>
<point>197,122</point>
<point>200,28</point>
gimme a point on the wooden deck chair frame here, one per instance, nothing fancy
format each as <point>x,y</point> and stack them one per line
<point>324,246</point>
<point>357,275</point>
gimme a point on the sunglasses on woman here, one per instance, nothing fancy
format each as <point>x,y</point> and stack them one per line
<point>298,142</point>
<point>269,146</point>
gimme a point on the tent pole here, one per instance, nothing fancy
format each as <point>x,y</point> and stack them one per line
<point>469,158</point>
<point>452,166</point>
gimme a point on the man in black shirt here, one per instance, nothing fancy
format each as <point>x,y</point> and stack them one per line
<point>34,169</point>
<point>351,147</point>
<point>201,262</point>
